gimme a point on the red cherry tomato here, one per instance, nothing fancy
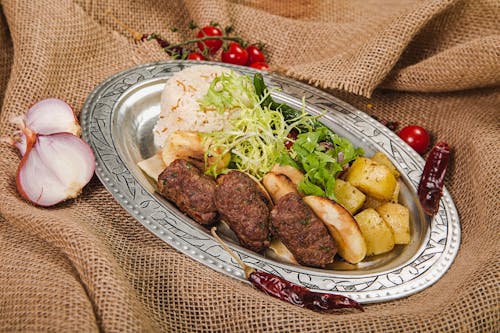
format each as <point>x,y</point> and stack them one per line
<point>195,56</point>
<point>415,136</point>
<point>255,55</point>
<point>259,65</point>
<point>213,45</point>
<point>235,54</point>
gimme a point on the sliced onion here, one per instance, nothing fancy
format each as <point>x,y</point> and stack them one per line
<point>340,157</point>
<point>52,115</point>
<point>55,167</point>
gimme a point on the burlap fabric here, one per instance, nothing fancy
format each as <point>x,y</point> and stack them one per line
<point>86,265</point>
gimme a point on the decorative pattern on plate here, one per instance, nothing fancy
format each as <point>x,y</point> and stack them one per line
<point>108,113</point>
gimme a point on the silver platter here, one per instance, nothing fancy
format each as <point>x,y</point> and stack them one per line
<point>117,120</point>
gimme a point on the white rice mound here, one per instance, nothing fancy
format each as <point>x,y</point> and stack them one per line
<point>179,105</point>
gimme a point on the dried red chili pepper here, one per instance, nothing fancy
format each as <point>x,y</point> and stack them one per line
<point>172,51</point>
<point>430,188</point>
<point>297,295</point>
<point>292,293</point>
<point>162,42</point>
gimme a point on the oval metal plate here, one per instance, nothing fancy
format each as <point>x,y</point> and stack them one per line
<point>117,121</point>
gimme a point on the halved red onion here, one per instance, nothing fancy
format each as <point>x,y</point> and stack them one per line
<point>48,116</point>
<point>55,167</point>
<point>52,115</point>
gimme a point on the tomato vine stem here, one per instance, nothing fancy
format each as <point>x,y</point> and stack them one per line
<point>197,40</point>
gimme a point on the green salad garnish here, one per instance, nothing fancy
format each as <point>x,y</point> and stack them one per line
<point>259,128</point>
<point>322,155</point>
<point>256,137</point>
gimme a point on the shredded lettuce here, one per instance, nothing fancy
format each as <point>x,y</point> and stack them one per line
<point>229,91</point>
<point>256,135</point>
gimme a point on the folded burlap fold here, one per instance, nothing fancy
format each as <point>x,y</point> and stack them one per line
<point>86,265</point>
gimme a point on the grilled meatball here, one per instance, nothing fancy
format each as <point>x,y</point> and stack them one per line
<point>244,208</point>
<point>193,192</point>
<point>302,232</point>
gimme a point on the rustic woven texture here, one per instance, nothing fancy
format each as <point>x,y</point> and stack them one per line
<point>86,265</point>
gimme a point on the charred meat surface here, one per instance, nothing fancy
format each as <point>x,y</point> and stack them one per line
<point>302,232</point>
<point>191,191</point>
<point>243,207</point>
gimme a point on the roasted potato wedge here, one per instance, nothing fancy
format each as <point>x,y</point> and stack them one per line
<point>383,159</point>
<point>371,202</point>
<point>372,178</point>
<point>341,225</point>
<point>293,174</point>
<point>153,166</point>
<point>376,232</point>
<point>277,250</point>
<point>348,196</point>
<point>277,185</point>
<point>398,218</point>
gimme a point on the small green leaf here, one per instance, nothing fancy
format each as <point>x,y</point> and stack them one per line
<point>192,25</point>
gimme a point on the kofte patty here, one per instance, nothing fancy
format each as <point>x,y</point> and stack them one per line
<point>191,191</point>
<point>244,208</point>
<point>302,232</point>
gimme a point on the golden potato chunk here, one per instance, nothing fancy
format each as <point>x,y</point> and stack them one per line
<point>383,159</point>
<point>371,202</point>
<point>341,225</point>
<point>372,178</point>
<point>348,196</point>
<point>377,234</point>
<point>398,218</point>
